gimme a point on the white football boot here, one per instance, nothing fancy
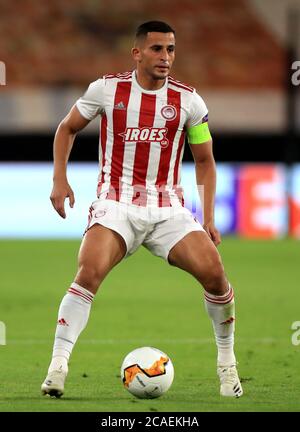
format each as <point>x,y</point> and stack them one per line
<point>230,382</point>
<point>54,383</point>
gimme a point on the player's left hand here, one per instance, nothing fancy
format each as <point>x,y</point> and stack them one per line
<point>213,232</point>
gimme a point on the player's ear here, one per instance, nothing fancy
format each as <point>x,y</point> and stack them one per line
<point>136,54</point>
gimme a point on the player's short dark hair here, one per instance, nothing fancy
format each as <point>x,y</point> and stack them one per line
<point>153,26</point>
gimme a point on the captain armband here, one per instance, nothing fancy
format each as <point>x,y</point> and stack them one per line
<point>198,134</point>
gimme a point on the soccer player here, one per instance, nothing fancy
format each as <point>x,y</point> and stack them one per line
<point>144,118</point>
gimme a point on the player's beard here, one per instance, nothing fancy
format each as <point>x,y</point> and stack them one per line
<point>158,76</point>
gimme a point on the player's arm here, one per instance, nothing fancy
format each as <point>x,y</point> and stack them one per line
<point>201,146</point>
<point>86,109</point>
<point>63,143</point>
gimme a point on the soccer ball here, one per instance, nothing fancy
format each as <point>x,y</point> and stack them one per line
<point>147,372</point>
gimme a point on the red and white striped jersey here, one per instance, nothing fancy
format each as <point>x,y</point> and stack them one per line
<point>142,135</point>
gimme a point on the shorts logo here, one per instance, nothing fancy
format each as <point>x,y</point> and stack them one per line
<point>100,213</point>
<point>146,134</point>
<point>169,112</point>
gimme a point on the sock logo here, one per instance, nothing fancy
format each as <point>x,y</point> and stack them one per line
<point>229,321</point>
<point>158,368</point>
<point>62,322</point>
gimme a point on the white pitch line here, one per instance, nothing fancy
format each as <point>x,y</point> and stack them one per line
<point>145,342</point>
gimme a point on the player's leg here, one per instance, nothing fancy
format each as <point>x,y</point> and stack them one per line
<point>100,251</point>
<point>196,254</point>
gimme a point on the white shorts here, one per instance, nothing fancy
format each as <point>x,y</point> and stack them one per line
<point>158,229</point>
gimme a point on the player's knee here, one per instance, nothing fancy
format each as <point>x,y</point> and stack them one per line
<point>90,276</point>
<point>214,281</point>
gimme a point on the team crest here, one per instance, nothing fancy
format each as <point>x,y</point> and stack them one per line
<point>169,112</point>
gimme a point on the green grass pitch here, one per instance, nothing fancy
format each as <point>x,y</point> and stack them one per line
<point>146,302</point>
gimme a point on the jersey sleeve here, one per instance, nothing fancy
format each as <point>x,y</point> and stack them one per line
<point>198,112</point>
<point>91,103</point>
<point>197,121</point>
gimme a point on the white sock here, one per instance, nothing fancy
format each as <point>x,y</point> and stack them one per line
<point>73,316</point>
<point>222,313</point>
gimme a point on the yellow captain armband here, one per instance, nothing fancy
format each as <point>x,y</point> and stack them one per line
<point>198,134</point>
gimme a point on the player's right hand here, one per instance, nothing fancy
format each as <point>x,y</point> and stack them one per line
<point>61,190</point>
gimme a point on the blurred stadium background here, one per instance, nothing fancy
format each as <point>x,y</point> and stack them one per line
<point>240,55</point>
<point>237,53</point>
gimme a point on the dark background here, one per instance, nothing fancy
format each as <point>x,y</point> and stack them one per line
<point>223,46</point>
<point>227,148</point>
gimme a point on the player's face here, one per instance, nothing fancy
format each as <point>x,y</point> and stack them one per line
<point>155,55</point>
